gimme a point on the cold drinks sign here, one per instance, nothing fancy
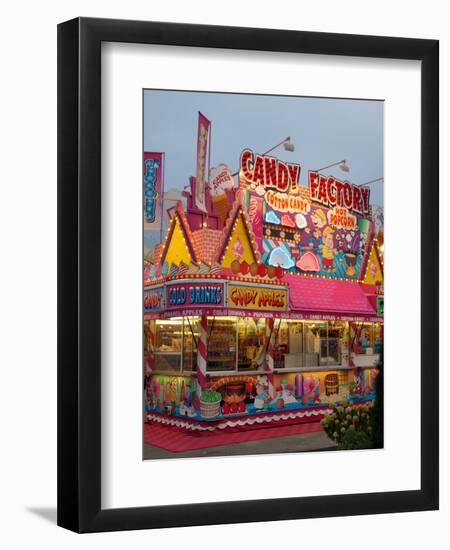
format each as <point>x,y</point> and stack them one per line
<point>181,295</point>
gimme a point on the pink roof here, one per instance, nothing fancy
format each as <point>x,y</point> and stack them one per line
<point>314,294</point>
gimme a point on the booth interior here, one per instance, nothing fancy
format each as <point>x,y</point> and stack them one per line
<point>315,362</point>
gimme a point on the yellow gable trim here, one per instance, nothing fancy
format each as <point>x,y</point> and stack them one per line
<point>374,271</point>
<point>239,232</point>
<point>177,250</point>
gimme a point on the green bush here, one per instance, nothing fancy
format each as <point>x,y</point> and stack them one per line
<point>349,419</point>
<point>353,439</point>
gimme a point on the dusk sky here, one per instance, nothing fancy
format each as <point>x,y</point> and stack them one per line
<point>323,131</point>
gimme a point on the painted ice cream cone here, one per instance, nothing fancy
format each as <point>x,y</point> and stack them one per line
<point>221,206</point>
<point>220,181</point>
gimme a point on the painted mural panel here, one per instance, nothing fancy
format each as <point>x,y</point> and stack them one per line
<point>320,241</point>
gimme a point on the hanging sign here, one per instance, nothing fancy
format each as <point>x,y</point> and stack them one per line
<point>153,166</point>
<point>265,172</point>
<point>250,297</point>
<point>202,142</point>
<point>341,218</point>
<point>220,179</point>
<point>284,202</point>
<point>207,294</point>
<point>153,299</point>
<point>329,191</point>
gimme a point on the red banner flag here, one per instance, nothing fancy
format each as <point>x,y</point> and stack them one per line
<point>153,189</point>
<point>202,143</point>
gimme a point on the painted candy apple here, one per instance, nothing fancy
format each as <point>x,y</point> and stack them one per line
<point>254,269</point>
<point>225,408</point>
<point>241,407</point>
<point>244,268</point>
<point>262,270</point>
<point>280,403</point>
<point>235,266</point>
<point>279,272</point>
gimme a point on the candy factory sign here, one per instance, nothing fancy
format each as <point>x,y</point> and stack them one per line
<point>248,297</point>
<point>194,295</point>
<point>269,172</point>
<point>329,191</point>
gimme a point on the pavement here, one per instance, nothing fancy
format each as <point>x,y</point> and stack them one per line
<point>316,441</point>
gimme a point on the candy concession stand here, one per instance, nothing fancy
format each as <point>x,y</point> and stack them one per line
<point>266,306</point>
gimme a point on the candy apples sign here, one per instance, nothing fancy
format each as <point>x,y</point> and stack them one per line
<point>329,191</point>
<point>247,297</point>
<point>269,172</point>
<point>220,179</point>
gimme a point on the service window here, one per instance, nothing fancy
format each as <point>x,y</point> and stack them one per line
<point>191,336</point>
<point>251,342</point>
<point>221,344</point>
<point>312,344</point>
<point>168,344</point>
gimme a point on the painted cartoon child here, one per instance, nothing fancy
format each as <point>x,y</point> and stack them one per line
<point>359,384</point>
<point>328,249</point>
<point>261,396</point>
<point>319,220</point>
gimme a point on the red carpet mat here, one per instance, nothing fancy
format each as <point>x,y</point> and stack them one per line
<point>177,441</point>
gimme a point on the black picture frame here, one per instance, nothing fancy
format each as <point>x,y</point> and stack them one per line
<point>79,274</point>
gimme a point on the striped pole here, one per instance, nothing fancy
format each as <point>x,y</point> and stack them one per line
<point>201,356</point>
<point>270,354</point>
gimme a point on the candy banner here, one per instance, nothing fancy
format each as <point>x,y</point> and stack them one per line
<point>202,143</point>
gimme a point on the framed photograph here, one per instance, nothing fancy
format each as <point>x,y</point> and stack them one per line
<point>234,204</point>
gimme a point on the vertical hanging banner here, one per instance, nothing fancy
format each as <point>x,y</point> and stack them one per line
<point>153,189</point>
<point>202,143</point>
